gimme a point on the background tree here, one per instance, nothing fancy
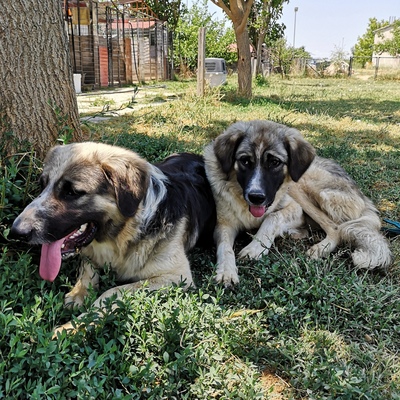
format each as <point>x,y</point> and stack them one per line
<point>36,81</point>
<point>392,46</point>
<point>167,10</point>
<point>339,56</point>
<point>218,37</point>
<point>238,12</point>
<point>364,47</point>
<point>264,26</point>
<point>284,56</point>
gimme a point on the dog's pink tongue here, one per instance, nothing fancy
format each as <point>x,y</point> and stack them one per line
<point>50,260</point>
<point>257,211</point>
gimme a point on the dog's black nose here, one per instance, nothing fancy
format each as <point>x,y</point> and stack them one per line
<point>256,198</point>
<point>21,233</point>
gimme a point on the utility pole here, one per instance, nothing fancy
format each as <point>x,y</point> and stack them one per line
<point>294,30</point>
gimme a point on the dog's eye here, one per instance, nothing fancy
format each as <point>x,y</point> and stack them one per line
<point>274,162</point>
<point>75,193</point>
<point>69,192</point>
<point>245,161</point>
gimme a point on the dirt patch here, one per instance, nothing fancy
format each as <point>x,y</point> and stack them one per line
<point>276,387</point>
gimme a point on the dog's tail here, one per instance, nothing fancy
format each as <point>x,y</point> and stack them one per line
<point>371,249</point>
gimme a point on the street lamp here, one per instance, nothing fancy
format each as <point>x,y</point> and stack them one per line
<point>294,30</point>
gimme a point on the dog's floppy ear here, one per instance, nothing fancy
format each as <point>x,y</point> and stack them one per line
<point>225,146</point>
<point>301,154</point>
<point>130,179</point>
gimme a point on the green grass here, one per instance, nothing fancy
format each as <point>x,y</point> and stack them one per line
<point>328,331</point>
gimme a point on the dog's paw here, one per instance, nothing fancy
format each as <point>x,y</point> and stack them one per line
<point>227,272</point>
<point>68,327</point>
<point>321,249</point>
<point>254,250</point>
<point>298,234</point>
<point>227,275</point>
<point>227,280</point>
<point>74,299</point>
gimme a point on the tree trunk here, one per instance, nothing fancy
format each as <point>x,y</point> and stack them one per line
<point>244,63</point>
<point>238,12</point>
<point>36,82</point>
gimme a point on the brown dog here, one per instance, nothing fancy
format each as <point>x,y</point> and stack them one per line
<point>115,208</point>
<point>265,176</point>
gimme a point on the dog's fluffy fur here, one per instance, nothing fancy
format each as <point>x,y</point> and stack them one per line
<point>119,210</point>
<point>265,176</point>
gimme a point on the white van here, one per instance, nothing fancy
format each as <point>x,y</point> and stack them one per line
<point>216,71</point>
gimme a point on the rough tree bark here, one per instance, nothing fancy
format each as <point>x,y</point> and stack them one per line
<point>36,80</point>
<point>238,12</point>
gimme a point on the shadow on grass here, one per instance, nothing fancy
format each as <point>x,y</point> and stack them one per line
<point>365,108</point>
<point>357,109</point>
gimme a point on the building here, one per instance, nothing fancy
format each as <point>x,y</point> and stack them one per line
<point>385,59</point>
<point>116,43</point>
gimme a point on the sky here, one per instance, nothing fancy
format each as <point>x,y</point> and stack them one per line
<point>322,26</point>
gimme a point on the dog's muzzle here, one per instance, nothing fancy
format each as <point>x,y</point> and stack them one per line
<point>257,203</point>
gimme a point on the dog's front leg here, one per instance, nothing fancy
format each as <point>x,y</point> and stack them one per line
<point>87,277</point>
<point>276,224</point>
<point>226,264</point>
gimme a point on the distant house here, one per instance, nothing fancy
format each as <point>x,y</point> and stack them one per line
<point>113,43</point>
<point>385,59</point>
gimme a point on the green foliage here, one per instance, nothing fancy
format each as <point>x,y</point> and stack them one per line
<point>392,46</point>
<point>263,21</point>
<point>18,177</point>
<point>155,345</point>
<point>218,37</point>
<point>65,132</point>
<point>167,10</point>
<point>260,80</point>
<point>283,55</point>
<point>364,47</point>
<point>300,52</point>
